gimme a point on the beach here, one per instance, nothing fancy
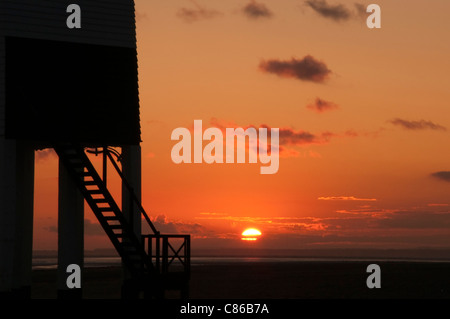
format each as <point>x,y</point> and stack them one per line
<point>277,280</point>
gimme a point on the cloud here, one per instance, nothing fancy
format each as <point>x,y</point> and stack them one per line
<point>196,14</point>
<point>351,198</point>
<point>286,135</point>
<point>44,154</point>
<point>364,226</point>
<point>141,16</point>
<point>383,219</point>
<point>321,106</point>
<point>417,125</point>
<point>306,69</point>
<point>166,226</point>
<point>416,220</point>
<point>256,10</point>
<point>442,175</point>
<point>271,224</point>
<point>336,12</point>
<point>290,137</point>
<point>361,10</point>
<point>90,228</point>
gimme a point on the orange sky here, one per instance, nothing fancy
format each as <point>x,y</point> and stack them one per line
<point>362,180</point>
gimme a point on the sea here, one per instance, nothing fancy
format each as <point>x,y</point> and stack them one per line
<point>92,261</point>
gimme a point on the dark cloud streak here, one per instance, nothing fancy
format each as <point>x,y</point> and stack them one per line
<point>417,125</point>
<point>306,69</point>
<point>442,175</point>
<point>199,13</point>
<point>256,10</point>
<point>336,12</point>
<point>321,106</point>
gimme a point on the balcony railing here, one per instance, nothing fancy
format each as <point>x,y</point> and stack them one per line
<point>169,253</point>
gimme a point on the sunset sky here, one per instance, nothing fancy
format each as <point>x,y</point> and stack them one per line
<point>364,119</point>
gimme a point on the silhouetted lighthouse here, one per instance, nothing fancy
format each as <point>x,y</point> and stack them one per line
<point>69,81</point>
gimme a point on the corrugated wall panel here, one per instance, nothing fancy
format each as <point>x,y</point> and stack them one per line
<point>104,22</point>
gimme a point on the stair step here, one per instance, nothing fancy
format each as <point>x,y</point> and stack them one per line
<point>90,183</point>
<point>95,191</point>
<point>116,227</point>
<point>105,209</point>
<point>101,200</point>
<point>111,217</point>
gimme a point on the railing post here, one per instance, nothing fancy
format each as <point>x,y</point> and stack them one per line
<point>150,247</point>
<point>158,253</point>
<point>187,253</point>
<point>165,254</point>
<point>132,194</point>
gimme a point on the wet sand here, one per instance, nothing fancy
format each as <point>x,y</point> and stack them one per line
<point>267,280</point>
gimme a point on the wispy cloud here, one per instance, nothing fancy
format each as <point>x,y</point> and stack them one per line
<point>289,138</point>
<point>165,225</point>
<point>437,205</point>
<point>306,69</point>
<point>321,106</point>
<point>196,14</point>
<point>90,228</point>
<point>347,223</point>
<point>336,12</point>
<point>416,220</point>
<point>350,198</point>
<point>364,226</point>
<point>361,10</point>
<point>93,228</point>
<point>141,16</point>
<point>417,125</point>
<point>442,175</point>
<point>45,154</point>
<point>255,10</point>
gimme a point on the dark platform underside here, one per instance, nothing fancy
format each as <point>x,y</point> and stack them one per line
<point>61,92</point>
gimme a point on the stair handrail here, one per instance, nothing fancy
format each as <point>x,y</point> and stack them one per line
<point>108,151</point>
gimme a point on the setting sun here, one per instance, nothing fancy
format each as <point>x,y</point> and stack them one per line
<point>251,234</point>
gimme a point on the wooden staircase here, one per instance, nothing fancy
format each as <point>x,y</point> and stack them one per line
<point>129,246</point>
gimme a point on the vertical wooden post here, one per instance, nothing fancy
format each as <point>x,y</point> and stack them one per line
<point>165,254</point>
<point>70,232</point>
<point>16,217</point>
<point>131,170</point>
<point>188,253</point>
<point>158,252</point>
<point>24,219</point>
